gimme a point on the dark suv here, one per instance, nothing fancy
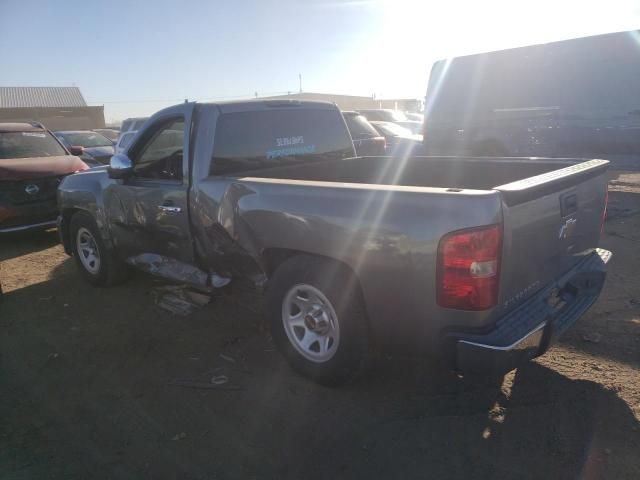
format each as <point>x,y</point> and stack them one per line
<point>32,165</point>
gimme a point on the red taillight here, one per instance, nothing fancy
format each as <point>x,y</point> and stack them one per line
<point>604,211</point>
<point>469,268</point>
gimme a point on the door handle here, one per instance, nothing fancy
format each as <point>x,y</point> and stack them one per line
<point>169,209</point>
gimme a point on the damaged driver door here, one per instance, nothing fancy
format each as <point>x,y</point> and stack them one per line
<point>149,210</point>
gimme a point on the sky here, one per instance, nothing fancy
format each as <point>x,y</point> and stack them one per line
<point>135,57</point>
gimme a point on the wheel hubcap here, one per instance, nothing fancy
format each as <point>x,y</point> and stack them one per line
<point>311,323</point>
<point>88,251</point>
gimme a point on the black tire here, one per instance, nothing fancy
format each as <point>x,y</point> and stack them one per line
<point>111,270</point>
<point>341,289</point>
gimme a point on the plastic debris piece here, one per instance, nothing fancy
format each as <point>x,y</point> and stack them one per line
<point>179,436</point>
<point>179,299</point>
<point>198,298</point>
<point>219,379</point>
<point>227,358</point>
<point>204,385</point>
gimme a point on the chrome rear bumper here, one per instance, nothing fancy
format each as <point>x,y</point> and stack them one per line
<point>528,331</point>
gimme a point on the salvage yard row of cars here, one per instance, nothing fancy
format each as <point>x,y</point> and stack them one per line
<point>354,236</point>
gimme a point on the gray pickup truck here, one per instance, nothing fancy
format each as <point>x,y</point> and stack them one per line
<point>480,261</point>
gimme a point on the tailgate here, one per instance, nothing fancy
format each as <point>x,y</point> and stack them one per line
<point>551,221</point>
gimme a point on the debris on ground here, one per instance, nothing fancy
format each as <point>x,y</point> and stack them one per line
<point>592,337</point>
<point>227,358</point>
<point>219,379</point>
<point>632,303</point>
<point>179,299</point>
<point>179,436</point>
<point>205,385</point>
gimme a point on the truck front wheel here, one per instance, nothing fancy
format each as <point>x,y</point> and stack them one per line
<point>318,319</point>
<point>97,263</point>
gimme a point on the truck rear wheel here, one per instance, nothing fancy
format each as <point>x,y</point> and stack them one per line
<point>318,320</point>
<point>97,263</point>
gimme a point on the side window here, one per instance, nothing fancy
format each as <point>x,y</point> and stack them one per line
<point>160,157</point>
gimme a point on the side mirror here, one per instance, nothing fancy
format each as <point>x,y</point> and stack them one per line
<point>76,150</point>
<point>120,166</point>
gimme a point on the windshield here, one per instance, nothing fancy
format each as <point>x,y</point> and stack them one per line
<point>110,134</point>
<point>360,127</point>
<point>85,139</point>
<point>393,130</point>
<point>29,144</point>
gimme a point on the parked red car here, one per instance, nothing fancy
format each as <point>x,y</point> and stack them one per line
<point>32,165</point>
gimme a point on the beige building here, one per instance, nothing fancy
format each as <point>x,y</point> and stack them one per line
<point>57,108</point>
<point>352,102</point>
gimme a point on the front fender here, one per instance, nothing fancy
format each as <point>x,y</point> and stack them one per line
<point>84,192</point>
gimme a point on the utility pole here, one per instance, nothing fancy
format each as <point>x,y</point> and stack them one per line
<point>300,79</point>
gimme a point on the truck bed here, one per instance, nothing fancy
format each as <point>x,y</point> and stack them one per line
<point>550,211</point>
<point>479,173</point>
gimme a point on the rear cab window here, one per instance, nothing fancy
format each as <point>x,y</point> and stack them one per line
<point>263,139</point>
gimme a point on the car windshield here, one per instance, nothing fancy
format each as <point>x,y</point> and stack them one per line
<point>86,139</point>
<point>360,127</point>
<point>397,116</point>
<point>110,134</point>
<point>29,144</point>
<point>392,130</point>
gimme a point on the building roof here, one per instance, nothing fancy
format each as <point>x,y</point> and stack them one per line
<point>17,97</point>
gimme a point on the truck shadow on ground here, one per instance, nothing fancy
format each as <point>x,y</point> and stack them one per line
<point>85,376</point>
<point>14,245</point>
<point>611,328</point>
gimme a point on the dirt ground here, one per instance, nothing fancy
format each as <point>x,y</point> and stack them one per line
<point>85,388</point>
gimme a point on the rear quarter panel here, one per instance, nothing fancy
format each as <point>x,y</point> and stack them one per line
<point>388,236</point>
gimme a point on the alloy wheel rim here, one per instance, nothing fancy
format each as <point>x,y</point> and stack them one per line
<point>311,323</point>
<point>88,251</point>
